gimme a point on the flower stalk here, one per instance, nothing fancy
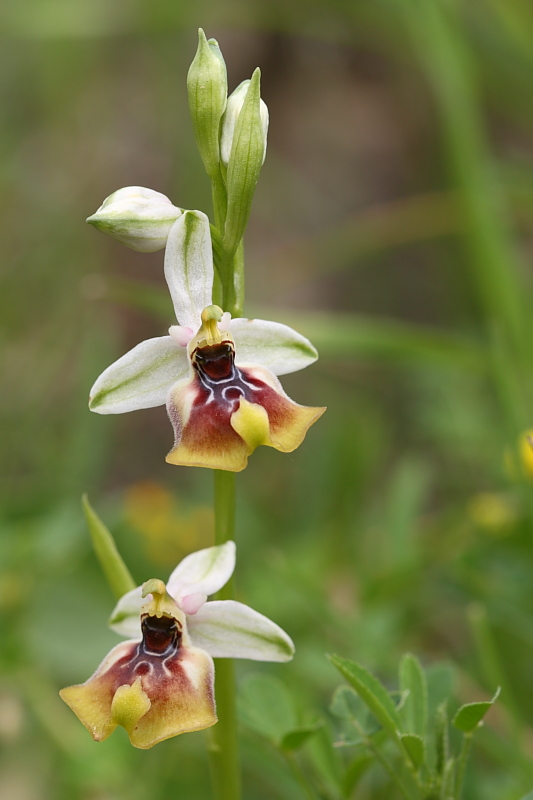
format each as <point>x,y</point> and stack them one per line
<point>224,746</point>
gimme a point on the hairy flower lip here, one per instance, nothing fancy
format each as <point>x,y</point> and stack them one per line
<point>159,371</point>
<point>157,691</point>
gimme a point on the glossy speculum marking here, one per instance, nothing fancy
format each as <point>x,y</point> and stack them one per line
<point>216,370</point>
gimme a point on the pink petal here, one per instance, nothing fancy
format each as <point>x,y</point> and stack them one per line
<point>192,603</point>
<point>180,335</point>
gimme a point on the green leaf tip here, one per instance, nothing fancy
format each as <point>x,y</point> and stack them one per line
<point>115,570</point>
<point>470,716</point>
<point>296,738</point>
<point>413,681</point>
<point>414,747</point>
<point>372,692</point>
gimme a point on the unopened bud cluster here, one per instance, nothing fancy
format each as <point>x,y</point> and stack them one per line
<point>231,134</point>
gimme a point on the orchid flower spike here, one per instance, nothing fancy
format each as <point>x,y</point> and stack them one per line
<point>217,375</point>
<point>159,683</point>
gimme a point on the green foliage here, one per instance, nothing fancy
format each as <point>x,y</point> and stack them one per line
<point>115,570</point>
<point>267,706</point>
<point>442,740</point>
<point>428,780</point>
<point>415,748</point>
<point>372,692</point>
<point>469,716</point>
<point>415,708</point>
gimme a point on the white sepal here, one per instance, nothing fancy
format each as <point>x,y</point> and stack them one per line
<point>138,217</point>
<point>141,378</point>
<point>189,267</point>
<point>272,345</point>
<point>203,572</point>
<point>126,616</point>
<point>228,629</point>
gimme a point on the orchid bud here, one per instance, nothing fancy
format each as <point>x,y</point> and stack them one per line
<point>207,86</point>
<point>248,142</point>
<point>139,218</point>
<point>231,115</point>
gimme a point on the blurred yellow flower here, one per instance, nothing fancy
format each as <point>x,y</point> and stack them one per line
<point>519,460</point>
<point>494,513</point>
<point>157,514</point>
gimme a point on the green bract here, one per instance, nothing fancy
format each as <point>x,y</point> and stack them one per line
<point>207,86</point>
<point>246,158</point>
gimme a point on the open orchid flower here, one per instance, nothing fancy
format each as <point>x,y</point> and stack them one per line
<point>159,683</point>
<point>217,375</point>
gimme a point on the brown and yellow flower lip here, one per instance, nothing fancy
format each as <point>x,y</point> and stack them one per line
<point>155,688</point>
<point>224,412</point>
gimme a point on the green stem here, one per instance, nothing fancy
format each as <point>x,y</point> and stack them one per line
<point>300,776</point>
<point>224,750</point>
<point>220,201</point>
<point>463,760</point>
<point>238,281</point>
<point>224,509</point>
<point>229,285</point>
<point>378,755</point>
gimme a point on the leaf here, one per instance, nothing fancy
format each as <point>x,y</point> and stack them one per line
<point>413,680</point>
<point>372,692</point>
<point>348,707</point>
<point>470,715</point>
<point>414,747</point>
<point>266,706</point>
<point>345,703</point>
<point>115,570</point>
<point>528,796</point>
<point>299,736</point>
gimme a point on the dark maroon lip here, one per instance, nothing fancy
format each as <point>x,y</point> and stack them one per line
<point>161,635</point>
<point>215,363</point>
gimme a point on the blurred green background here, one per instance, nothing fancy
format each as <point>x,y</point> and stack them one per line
<point>393,225</point>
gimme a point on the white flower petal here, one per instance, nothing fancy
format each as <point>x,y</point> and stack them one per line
<point>227,629</point>
<point>203,572</point>
<point>126,616</point>
<point>141,378</point>
<point>272,345</point>
<point>189,267</point>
